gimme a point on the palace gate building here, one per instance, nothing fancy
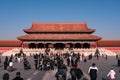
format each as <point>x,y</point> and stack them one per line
<point>59,35</point>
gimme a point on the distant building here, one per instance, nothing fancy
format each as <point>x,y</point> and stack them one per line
<point>59,35</point>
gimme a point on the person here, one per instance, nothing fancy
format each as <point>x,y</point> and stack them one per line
<point>5,76</point>
<point>93,71</point>
<point>68,61</point>
<point>18,76</point>
<point>60,75</point>
<point>6,63</point>
<point>0,59</point>
<point>26,64</point>
<point>73,73</point>
<point>79,73</point>
<point>111,74</point>
<point>10,69</point>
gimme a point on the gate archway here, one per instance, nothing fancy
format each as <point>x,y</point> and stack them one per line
<point>86,45</point>
<point>77,45</point>
<point>70,45</point>
<point>59,45</point>
<point>40,45</point>
<point>48,45</point>
<point>32,45</point>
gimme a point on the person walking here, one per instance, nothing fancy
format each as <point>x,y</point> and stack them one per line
<point>26,64</point>
<point>18,76</point>
<point>10,69</point>
<point>6,63</point>
<point>73,73</point>
<point>111,74</point>
<point>79,73</point>
<point>93,71</point>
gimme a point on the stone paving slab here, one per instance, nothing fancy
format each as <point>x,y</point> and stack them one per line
<point>103,65</point>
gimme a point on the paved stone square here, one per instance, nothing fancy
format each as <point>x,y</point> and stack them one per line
<point>103,65</point>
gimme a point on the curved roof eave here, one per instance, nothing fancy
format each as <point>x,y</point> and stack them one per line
<point>59,37</point>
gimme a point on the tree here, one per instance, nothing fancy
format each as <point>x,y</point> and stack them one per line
<point>97,52</point>
<point>21,52</point>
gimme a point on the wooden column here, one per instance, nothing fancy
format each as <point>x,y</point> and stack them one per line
<point>73,45</point>
<point>65,45</point>
<point>36,45</point>
<point>81,45</point>
<point>52,45</point>
<point>44,45</point>
<point>27,45</point>
<point>22,45</point>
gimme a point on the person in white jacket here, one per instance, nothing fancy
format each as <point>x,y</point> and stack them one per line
<point>93,71</point>
<point>10,66</point>
<point>111,74</point>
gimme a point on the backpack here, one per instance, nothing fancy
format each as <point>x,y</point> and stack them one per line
<point>93,72</point>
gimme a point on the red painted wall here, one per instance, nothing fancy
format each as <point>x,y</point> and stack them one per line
<point>101,43</point>
<point>10,43</point>
<point>109,43</point>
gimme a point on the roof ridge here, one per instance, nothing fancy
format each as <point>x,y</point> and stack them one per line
<point>59,22</point>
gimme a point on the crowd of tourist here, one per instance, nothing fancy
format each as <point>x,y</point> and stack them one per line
<point>60,60</point>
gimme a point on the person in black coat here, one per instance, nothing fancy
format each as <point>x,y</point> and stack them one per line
<point>5,63</point>
<point>74,61</point>
<point>5,76</point>
<point>26,64</point>
<point>93,71</point>
<point>73,73</point>
<point>68,61</point>
<point>79,73</point>
<point>18,76</point>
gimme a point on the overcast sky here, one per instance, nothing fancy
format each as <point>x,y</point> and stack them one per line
<point>102,15</point>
